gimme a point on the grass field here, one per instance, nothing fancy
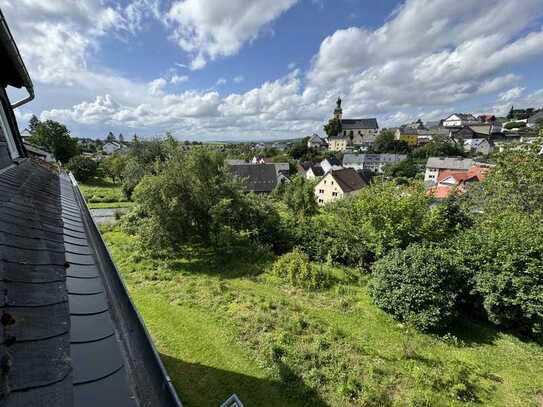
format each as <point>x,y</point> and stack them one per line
<point>102,193</point>
<point>226,326</point>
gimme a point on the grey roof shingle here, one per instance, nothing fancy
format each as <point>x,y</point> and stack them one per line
<point>348,124</point>
<point>449,163</point>
<point>348,179</point>
<point>258,177</point>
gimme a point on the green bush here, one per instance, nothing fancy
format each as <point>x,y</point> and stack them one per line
<point>297,270</point>
<point>505,256</point>
<point>514,125</point>
<point>421,285</point>
<point>83,168</point>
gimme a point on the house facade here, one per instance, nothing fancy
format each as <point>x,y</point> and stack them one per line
<point>338,184</point>
<point>477,146</point>
<point>457,181</point>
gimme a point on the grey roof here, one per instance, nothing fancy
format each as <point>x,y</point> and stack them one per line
<point>333,161</point>
<point>359,159</point>
<point>258,177</point>
<point>237,162</point>
<point>348,179</point>
<point>315,138</point>
<point>449,163</point>
<point>463,116</point>
<point>317,170</point>
<point>348,124</point>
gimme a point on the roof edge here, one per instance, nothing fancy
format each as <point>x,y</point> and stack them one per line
<point>154,386</point>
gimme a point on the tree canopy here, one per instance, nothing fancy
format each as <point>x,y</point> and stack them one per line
<point>56,138</point>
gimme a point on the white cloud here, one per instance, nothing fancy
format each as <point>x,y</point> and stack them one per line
<point>177,79</point>
<point>396,72</point>
<point>156,87</point>
<point>238,79</point>
<point>511,94</point>
<point>291,66</point>
<point>208,29</point>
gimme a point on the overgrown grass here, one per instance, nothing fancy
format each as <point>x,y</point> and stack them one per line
<point>110,205</point>
<point>225,326</point>
<point>101,190</point>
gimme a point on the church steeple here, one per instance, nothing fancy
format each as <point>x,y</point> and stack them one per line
<point>338,112</point>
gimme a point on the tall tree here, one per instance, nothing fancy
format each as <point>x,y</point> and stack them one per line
<point>121,138</point>
<point>33,124</point>
<point>55,137</point>
<point>385,142</point>
<point>333,127</point>
<point>110,137</point>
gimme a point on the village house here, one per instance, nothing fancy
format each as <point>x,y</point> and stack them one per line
<point>112,147</point>
<point>315,171</point>
<point>259,178</point>
<point>460,120</point>
<point>457,181</point>
<point>354,133</point>
<point>338,184</point>
<point>407,134</point>
<point>315,141</point>
<point>477,146</point>
<point>330,163</point>
<point>435,165</point>
<point>371,162</point>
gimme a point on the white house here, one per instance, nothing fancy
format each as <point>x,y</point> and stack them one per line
<point>315,171</point>
<point>338,184</point>
<point>477,146</point>
<point>315,141</point>
<point>436,164</point>
<point>330,163</point>
<point>460,120</point>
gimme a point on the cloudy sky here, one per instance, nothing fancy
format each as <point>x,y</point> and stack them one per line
<point>263,69</point>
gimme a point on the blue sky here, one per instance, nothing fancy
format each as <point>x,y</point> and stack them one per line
<point>263,69</point>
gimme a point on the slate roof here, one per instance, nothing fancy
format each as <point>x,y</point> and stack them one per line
<point>69,333</point>
<point>258,177</point>
<point>348,179</point>
<point>317,170</point>
<point>349,124</point>
<point>449,163</point>
<point>333,161</point>
<point>65,343</point>
<point>359,159</point>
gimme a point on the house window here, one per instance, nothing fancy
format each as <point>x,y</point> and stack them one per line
<point>8,135</point>
<point>321,191</point>
<point>331,182</point>
<point>321,201</point>
<point>334,193</point>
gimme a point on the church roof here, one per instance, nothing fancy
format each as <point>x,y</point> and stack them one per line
<point>349,124</point>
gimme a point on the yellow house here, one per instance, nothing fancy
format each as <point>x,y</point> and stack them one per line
<point>338,184</point>
<point>410,136</point>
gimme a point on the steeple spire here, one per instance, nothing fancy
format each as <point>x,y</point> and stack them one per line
<point>338,112</point>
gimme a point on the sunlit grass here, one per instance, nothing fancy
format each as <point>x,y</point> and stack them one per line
<point>225,326</point>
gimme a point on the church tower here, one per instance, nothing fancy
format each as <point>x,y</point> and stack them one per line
<point>338,112</point>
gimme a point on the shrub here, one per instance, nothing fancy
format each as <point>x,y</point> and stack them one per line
<point>297,270</point>
<point>83,168</point>
<point>505,256</point>
<point>421,285</point>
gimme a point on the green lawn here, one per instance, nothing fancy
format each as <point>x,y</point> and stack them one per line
<point>102,193</point>
<point>225,327</point>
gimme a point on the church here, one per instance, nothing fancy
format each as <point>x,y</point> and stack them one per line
<point>354,133</point>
